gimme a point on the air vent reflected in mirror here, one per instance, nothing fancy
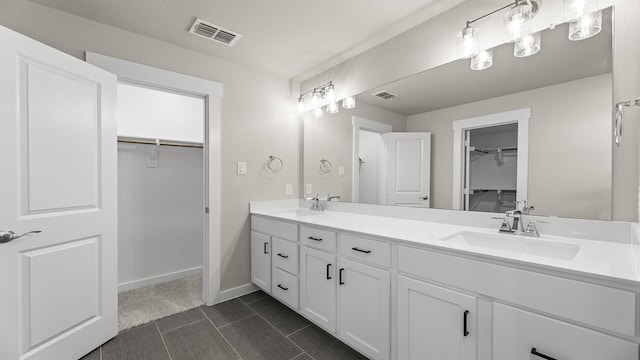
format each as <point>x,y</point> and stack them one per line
<point>385,95</point>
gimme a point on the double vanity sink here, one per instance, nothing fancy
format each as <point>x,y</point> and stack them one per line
<point>376,280</point>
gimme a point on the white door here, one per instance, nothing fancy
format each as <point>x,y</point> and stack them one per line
<point>365,304</point>
<point>318,287</point>
<point>408,169</point>
<point>58,160</point>
<point>434,322</point>
<point>261,260</point>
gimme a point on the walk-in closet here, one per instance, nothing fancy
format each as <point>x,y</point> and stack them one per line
<point>160,202</point>
<point>491,168</point>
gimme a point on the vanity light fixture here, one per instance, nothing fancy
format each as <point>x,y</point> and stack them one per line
<point>527,45</point>
<point>586,26</point>
<point>468,42</point>
<point>574,9</point>
<point>517,19</point>
<point>349,102</point>
<point>483,60</point>
<point>325,94</point>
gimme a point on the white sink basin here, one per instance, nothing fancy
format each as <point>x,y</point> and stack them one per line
<point>301,212</point>
<point>515,244</point>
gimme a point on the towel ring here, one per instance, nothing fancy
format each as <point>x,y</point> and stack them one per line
<point>325,166</point>
<point>274,163</point>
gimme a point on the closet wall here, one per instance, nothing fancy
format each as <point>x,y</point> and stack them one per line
<point>160,214</point>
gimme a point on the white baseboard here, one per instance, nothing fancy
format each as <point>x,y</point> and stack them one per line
<point>236,292</point>
<point>159,279</point>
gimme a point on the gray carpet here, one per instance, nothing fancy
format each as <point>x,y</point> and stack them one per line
<point>140,306</point>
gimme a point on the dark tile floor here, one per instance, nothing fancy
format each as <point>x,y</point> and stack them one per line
<point>254,326</point>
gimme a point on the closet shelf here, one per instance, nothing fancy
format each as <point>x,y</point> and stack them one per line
<point>135,140</point>
<point>498,149</point>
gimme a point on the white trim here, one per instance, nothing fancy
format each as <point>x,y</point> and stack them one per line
<point>212,93</point>
<point>362,124</point>
<point>236,292</point>
<point>159,279</point>
<point>521,117</point>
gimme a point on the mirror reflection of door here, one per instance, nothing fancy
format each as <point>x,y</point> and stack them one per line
<point>408,168</point>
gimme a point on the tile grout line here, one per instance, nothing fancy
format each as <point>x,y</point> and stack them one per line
<point>181,326</point>
<point>221,334</point>
<point>295,332</point>
<point>163,342</point>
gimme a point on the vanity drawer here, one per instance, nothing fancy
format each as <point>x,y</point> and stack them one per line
<point>317,238</point>
<point>280,229</point>
<point>516,332</point>
<point>597,305</point>
<point>284,286</point>
<point>284,254</point>
<point>368,250</point>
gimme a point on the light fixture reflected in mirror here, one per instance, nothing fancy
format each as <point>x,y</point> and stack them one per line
<point>330,93</point>
<point>349,103</point>
<point>300,104</point>
<point>516,20</point>
<point>323,95</point>
<point>483,60</point>
<point>527,45</point>
<point>586,26</point>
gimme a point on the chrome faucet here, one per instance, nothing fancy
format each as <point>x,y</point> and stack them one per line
<point>315,203</point>
<point>330,197</point>
<point>512,226</point>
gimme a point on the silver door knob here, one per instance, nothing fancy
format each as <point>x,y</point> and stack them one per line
<point>423,197</point>
<point>8,235</point>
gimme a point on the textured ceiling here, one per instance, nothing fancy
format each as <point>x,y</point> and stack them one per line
<point>559,60</point>
<point>282,37</point>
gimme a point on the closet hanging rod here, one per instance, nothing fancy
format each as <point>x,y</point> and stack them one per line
<point>512,148</point>
<point>131,140</point>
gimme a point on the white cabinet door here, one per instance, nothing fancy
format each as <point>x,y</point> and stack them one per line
<point>58,159</point>
<point>318,287</point>
<point>365,308</point>
<point>261,260</point>
<point>434,322</point>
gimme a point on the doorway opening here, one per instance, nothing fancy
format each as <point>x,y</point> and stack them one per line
<point>490,155</point>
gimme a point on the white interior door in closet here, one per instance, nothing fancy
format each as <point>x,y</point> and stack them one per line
<point>59,293</point>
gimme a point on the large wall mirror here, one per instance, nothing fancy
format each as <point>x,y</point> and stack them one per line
<point>536,128</point>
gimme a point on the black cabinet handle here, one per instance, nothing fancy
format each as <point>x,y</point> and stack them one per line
<point>265,248</point>
<point>340,276</point>
<point>283,255</point>
<point>314,239</point>
<point>328,273</point>
<point>362,251</point>
<point>282,287</point>
<point>465,331</point>
<point>536,353</point>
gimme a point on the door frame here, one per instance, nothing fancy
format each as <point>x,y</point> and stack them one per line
<point>212,93</point>
<point>521,117</point>
<point>358,124</point>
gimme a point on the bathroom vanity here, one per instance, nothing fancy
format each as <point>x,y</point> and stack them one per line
<point>404,284</point>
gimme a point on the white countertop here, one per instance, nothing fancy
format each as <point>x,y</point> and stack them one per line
<point>606,259</point>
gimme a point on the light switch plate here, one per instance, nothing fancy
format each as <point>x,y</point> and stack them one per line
<point>308,189</point>
<point>341,171</point>
<point>242,168</point>
<point>288,189</point>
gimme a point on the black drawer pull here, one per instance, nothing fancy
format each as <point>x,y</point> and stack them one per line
<point>362,251</point>
<point>282,287</point>
<point>265,248</point>
<point>536,353</point>
<point>283,255</point>
<point>314,239</point>
<point>328,273</point>
<point>465,331</point>
<point>340,276</point>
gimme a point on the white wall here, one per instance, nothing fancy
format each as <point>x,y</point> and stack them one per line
<point>258,114</point>
<point>160,217</point>
<point>565,166</point>
<point>371,151</point>
<point>331,137</point>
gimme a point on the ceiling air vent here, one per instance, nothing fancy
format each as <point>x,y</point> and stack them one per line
<point>385,95</point>
<point>214,32</point>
